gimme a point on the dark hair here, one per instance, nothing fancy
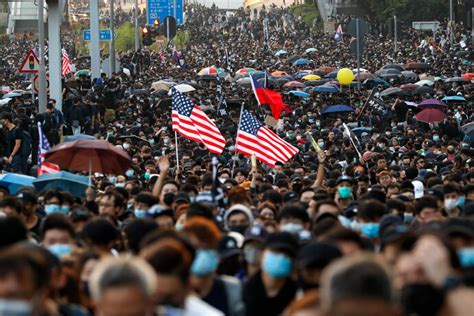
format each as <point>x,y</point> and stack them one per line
<point>137,230</point>
<point>12,230</point>
<point>451,188</point>
<point>7,116</point>
<point>146,198</point>
<point>370,210</point>
<point>100,232</point>
<point>423,202</point>
<point>117,197</point>
<point>54,193</point>
<point>57,221</point>
<point>13,202</point>
<point>294,210</point>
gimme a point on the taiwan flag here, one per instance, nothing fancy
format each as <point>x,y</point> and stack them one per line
<point>267,96</point>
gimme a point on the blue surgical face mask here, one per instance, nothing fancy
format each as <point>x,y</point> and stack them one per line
<point>461,201</point>
<point>60,250</point>
<point>206,262</point>
<point>344,192</point>
<point>52,208</point>
<point>120,185</point>
<point>15,307</point>
<point>140,213</point>
<point>291,228</point>
<point>466,257</point>
<point>370,230</point>
<point>277,265</point>
<point>112,179</point>
<point>65,209</point>
<point>436,138</point>
<point>129,173</point>
<point>147,176</point>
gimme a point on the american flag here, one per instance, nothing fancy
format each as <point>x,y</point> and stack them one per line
<point>192,123</point>
<point>254,137</point>
<point>66,64</point>
<point>43,148</point>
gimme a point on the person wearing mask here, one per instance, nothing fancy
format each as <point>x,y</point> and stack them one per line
<point>269,291</point>
<point>238,218</point>
<point>221,292</point>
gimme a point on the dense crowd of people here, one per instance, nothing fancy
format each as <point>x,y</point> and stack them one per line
<point>377,219</point>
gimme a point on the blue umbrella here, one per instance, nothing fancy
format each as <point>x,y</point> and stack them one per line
<point>300,94</point>
<point>311,50</point>
<point>338,108</point>
<point>281,52</point>
<point>326,89</point>
<point>300,74</point>
<point>11,95</point>
<point>359,130</point>
<point>78,137</point>
<point>258,74</point>
<point>454,98</point>
<point>14,181</point>
<point>376,82</point>
<point>456,79</point>
<point>66,181</point>
<point>301,61</point>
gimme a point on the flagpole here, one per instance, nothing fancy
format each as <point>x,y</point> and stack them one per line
<point>237,138</point>
<point>176,147</point>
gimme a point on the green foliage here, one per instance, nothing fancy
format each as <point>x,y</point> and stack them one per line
<point>181,38</point>
<point>125,39</point>
<point>405,10</point>
<point>308,12</point>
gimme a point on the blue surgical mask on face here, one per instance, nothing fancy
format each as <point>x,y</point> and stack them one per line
<point>277,265</point>
<point>65,209</point>
<point>344,192</point>
<point>60,250</point>
<point>291,228</point>
<point>370,230</point>
<point>206,262</point>
<point>15,307</point>
<point>147,176</point>
<point>436,138</point>
<point>466,257</point>
<point>52,208</point>
<point>129,173</point>
<point>140,213</point>
<point>461,201</point>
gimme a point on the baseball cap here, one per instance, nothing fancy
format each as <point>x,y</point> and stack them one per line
<point>182,197</point>
<point>27,197</point>
<point>283,241</point>
<point>344,178</point>
<point>458,226</point>
<point>228,247</point>
<point>393,233</point>
<point>158,210</point>
<point>419,190</point>
<point>290,196</point>
<point>255,233</point>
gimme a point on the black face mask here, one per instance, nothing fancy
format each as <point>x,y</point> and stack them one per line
<point>230,266</point>
<point>168,198</point>
<point>297,186</point>
<point>238,228</point>
<point>421,299</point>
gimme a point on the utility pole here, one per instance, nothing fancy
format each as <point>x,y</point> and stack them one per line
<point>112,39</point>
<point>137,34</point>
<point>42,67</point>
<point>94,44</point>
<point>451,24</point>
<point>395,34</point>
<point>358,52</point>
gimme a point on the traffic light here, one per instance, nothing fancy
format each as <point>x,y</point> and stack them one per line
<point>156,22</point>
<point>31,62</point>
<point>146,37</point>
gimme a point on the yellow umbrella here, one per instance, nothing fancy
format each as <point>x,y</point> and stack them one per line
<point>311,77</point>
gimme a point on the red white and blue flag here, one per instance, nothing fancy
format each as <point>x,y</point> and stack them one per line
<point>267,96</point>
<point>192,123</point>
<point>338,35</point>
<point>66,67</point>
<point>253,137</point>
<point>43,148</point>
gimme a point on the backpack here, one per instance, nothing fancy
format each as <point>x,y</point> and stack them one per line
<point>25,149</point>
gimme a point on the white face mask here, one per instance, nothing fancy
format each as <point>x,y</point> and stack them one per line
<point>291,228</point>
<point>126,146</point>
<point>449,204</point>
<point>15,307</point>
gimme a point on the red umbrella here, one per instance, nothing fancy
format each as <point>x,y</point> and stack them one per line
<point>430,116</point>
<point>409,87</point>
<point>294,84</point>
<point>91,156</point>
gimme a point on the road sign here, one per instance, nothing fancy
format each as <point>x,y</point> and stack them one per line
<point>352,28</point>
<point>30,64</point>
<point>104,35</point>
<point>170,27</point>
<point>160,9</point>
<point>36,84</point>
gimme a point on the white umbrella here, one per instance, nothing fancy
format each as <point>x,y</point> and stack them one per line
<point>126,71</point>
<point>5,101</point>
<point>184,88</point>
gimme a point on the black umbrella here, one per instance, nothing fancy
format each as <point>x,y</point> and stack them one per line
<point>393,66</point>
<point>424,90</point>
<point>140,92</point>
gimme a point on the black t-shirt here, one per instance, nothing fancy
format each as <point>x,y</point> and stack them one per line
<point>11,136</point>
<point>258,303</point>
<point>217,297</point>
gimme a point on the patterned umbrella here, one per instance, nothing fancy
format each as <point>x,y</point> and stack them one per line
<point>213,71</point>
<point>245,71</point>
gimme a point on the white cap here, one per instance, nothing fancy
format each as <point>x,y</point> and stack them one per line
<point>419,189</point>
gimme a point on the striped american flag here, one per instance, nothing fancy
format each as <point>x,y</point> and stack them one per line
<point>43,148</point>
<point>66,68</point>
<point>254,137</point>
<point>192,123</point>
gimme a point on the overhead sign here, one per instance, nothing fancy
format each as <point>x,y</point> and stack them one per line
<point>160,9</point>
<point>104,35</point>
<point>29,65</point>
<point>36,84</point>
